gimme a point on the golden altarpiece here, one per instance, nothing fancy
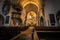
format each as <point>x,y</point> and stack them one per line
<point>32,12</point>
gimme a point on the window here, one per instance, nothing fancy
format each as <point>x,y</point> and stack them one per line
<point>52,19</point>
<point>58,17</point>
<point>7,19</point>
<point>59,22</point>
<point>6,7</point>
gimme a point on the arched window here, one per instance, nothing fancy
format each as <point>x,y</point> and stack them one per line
<point>52,19</point>
<point>6,7</point>
<point>58,18</point>
<point>59,21</point>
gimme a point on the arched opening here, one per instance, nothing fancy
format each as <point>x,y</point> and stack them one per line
<point>31,7</point>
<point>58,18</point>
<point>31,2</point>
<point>41,21</point>
<point>31,15</point>
<point>6,7</point>
<point>1,20</point>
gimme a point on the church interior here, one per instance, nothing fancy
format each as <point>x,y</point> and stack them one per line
<point>29,19</point>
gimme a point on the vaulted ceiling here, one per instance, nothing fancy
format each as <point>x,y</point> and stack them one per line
<point>34,5</point>
<point>31,7</point>
<point>25,2</point>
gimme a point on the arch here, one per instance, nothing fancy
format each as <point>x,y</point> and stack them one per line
<point>1,20</point>
<point>31,7</point>
<point>41,21</point>
<point>58,17</point>
<point>6,7</point>
<point>31,2</point>
<point>58,14</point>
